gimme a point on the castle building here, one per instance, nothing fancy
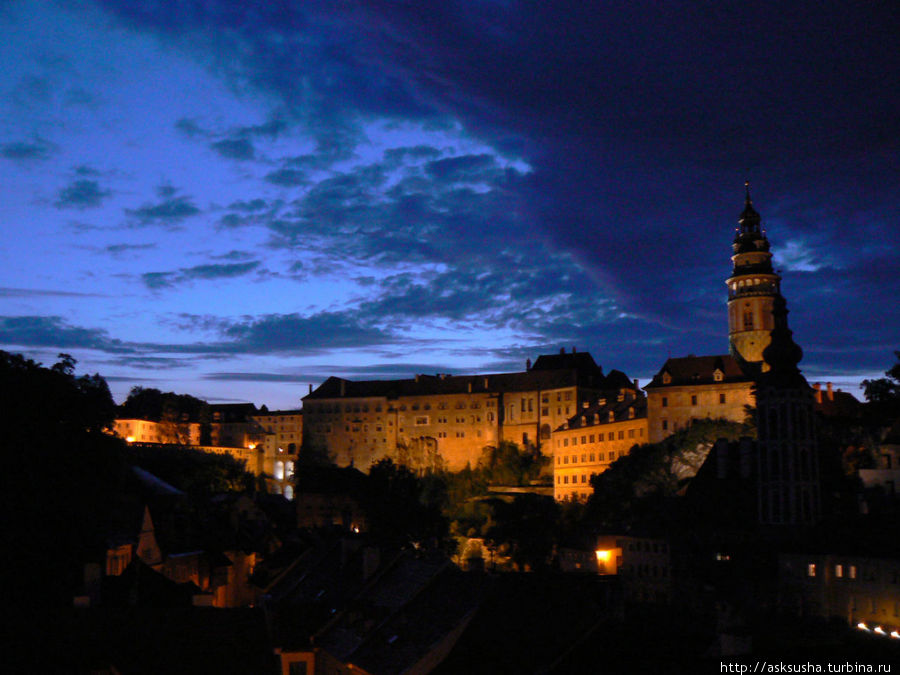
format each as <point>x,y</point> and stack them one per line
<point>696,387</point>
<point>446,421</point>
<point>752,289</point>
<point>586,444</point>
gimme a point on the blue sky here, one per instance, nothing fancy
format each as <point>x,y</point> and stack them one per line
<point>237,201</point>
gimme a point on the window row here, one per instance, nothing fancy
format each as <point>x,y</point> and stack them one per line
<point>589,457</point>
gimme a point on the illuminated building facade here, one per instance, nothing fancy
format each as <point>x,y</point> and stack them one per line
<point>601,432</point>
<point>446,421</point>
<point>282,437</point>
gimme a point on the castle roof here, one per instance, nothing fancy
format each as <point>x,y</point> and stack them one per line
<point>549,372</point>
<point>694,370</point>
<point>598,413</point>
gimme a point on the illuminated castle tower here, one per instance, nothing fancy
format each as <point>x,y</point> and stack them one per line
<point>752,289</point>
<point>788,466</point>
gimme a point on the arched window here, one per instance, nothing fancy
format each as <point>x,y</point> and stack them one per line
<point>748,319</point>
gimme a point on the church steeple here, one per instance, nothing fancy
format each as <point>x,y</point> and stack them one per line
<point>752,288</point>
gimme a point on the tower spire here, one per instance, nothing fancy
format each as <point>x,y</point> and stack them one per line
<point>747,201</point>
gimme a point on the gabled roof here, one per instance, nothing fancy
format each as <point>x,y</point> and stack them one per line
<point>602,407</point>
<point>688,370</point>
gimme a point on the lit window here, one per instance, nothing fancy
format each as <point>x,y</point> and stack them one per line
<point>811,570</point>
<point>852,571</point>
<point>279,470</point>
<point>839,571</point>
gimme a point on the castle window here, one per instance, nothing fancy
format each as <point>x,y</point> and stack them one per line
<point>811,570</point>
<point>693,399</point>
<point>665,425</point>
<point>721,398</point>
<point>718,375</point>
<point>748,319</point>
<point>665,401</point>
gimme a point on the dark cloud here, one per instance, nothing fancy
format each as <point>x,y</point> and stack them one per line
<point>37,293</point>
<point>234,255</point>
<point>287,177</point>
<point>81,194</point>
<point>26,150</point>
<point>170,210</point>
<point>157,280</point>
<point>255,377</point>
<point>54,331</point>
<point>118,249</point>
<point>190,127</point>
<point>296,334</point>
<point>250,206</point>
<point>239,148</point>
<point>460,168</point>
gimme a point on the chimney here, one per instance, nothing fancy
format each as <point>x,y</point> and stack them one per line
<point>310,387</point>
<point>636,386</point>
<point>527,364</point>
<point>830,391</point>
<point>417,377</point>
<point>817,387</point>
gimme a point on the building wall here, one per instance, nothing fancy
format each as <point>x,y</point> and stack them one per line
<point>581,452</point>
<point>146,431</point>
<point>854,588</point>
<point>435,430</point>
<point>670,409</point>
<point>280,446</point>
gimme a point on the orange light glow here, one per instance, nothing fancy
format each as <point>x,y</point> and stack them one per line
<point>129,439</point>
<point>602,556</point>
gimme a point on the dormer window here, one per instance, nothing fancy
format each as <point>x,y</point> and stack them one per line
<point>630,413</point>
<point>612,416</point>
<point>667,379</point>
<point>718,375</point>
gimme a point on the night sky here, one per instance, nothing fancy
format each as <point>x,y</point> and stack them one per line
<point>234,202</point>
